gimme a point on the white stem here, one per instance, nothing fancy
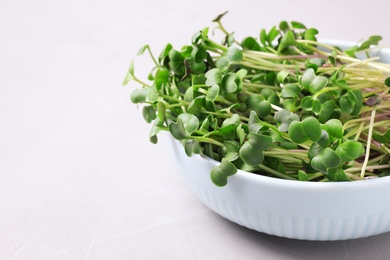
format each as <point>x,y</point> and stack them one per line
<point>364,166</point>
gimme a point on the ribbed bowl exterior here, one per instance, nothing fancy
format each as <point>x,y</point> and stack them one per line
<point>291,209</point>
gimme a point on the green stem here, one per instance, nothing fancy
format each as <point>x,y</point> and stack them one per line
<point>369,168</point>
<point>175,99</point>
<point>141,82</point>
<point>208,140</point>
<point>211,43</point>
<point>359,131</point>
<point>260,86</point>
<point>324,90</point>
<point>276,173</point>
<point>151,55</point>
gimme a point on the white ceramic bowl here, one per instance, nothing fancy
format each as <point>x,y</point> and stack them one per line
<point>293,209</point>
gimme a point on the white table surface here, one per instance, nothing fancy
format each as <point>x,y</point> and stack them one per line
<point>78,176</point>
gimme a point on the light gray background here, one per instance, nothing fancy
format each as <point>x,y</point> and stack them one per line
<point>78,176</point>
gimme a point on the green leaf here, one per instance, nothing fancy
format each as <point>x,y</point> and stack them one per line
<point>336,174</point>
<point>208,151</point>
<point>165,52</point>
<point>139,95</point>
<point>219,175</point>
<point>341,83</point>
<point>231,149</point>
<point>161,111</point>
<point>241,134</point>
<point>384,138</point>
<point>204,33</point>
<point>263,37</point>
<point>222,62</point>
<point>313,83</point>
<point>291,90</point>
<point>375,39</point>
<point>328,159</point>
<point>250,43</point>
<point>196,37</point>
<point>153,94</point>
<point>263,109</point>
<point>275,164</point>
<point>285,117</point>
<point>267,93</point>
<point>358,96</point>
<point>282,75</point>
<point>274,99</point>
<point>234,54</point>
<point>349,150</point>
<point>317,61</point>
<point>191,147</point>
<point>196,105</point>
<point>231,146</point>
<point>209,106</point>
<point>346,104</point>
<point>229,39</point>
<point>283,26</point>
<point>142,49</point>
<point>198,67</point>
<point>272,34</point>
<point>316,108</point>
<point>149,113</point>
<point>229,84</point>
<point>212,92</point>
<point>219,17</point>
<point>255,124</point>
<point>287,40</point>
<point>176,62</point>
<point>332,60</point>
<point>199,54</point>
<point>190,122</point>
<point>308,129</point>
<point>364,45</point>
<point>157,127</point>
<point>252,101</point>
<point>387,81</point>
<point>241,74</point>
<point>334,127</point>
<point>189,94</point>
<point>310,34</point>
<point>162,77</point>
<point>186,51</point>
<point>214,76</point>
<point>302,176</point>
<point>309,103</point>
<point>227,132</point>
<point>327,110</point>
<point>233,120</point>
<point>315,149</point>
<point>297,25</point>
<point>130,74</point>
<point>251,151</point>
<point>177,130</point>
<point>351,51</point>
<point>208,122</point>
<point>324,140</point>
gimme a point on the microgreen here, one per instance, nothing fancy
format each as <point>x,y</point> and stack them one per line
<point>280,105</point>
